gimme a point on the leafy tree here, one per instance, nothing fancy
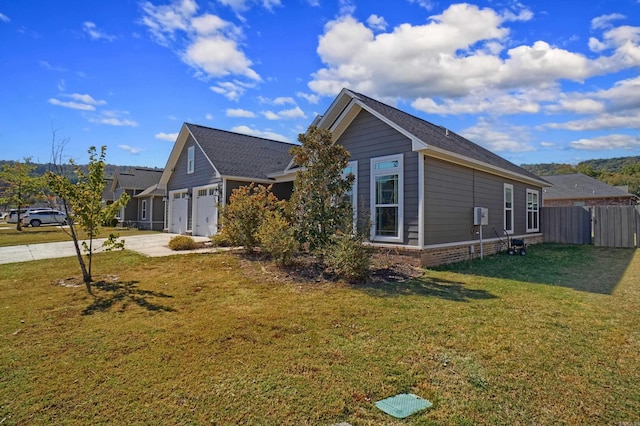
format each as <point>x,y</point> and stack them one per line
<point>244,214</point>
<point>318,202</point>
<point>18,186</point>
<point>83,205</point>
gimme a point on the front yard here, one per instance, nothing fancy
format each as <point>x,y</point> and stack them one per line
<point>51,234</point>
<point>549,338</point>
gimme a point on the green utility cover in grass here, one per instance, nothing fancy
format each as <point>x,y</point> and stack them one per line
<point>403,405</point>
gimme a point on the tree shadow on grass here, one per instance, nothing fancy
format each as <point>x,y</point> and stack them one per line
<point>123,293</point>
<point>425,286</point>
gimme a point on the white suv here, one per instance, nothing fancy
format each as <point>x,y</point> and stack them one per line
<point>36,218</point>
<point>13,213</point>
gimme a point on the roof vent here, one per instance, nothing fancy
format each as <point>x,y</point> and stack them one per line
<point>446,132</point>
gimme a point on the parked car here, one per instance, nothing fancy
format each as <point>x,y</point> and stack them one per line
<point>36,218</point>
<point>13,213</point>
<point>4,215</point>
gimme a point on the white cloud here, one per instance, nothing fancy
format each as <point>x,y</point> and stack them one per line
<point>208,117</point>
<point>489,101</point>
<point>498,138</point>
<point>309,97</point>
<point>376,22</point>
<point>577,106</point>
<point>72,105</point>
<point>130,149</point>
<point>113,118</point>
<point>46,65</point>
<point>608,142</point>
<point>169,137</point>
<point>601,122</point>
<point>4,18</point>
<point>243,5</point>
<point>281,100</point>
<point>206,42</point>
<point>427,4</point>
<point>604,21</point>
<point>92,30</point>
<point>240,113</point>
<point>456,54</point>
<point>285,114</point>
<point>231,90</point>
<point>112,121</point>
<point>267,134</point>
<point>87,99</point>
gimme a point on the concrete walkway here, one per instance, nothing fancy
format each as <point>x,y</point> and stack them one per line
<point>153,245</point>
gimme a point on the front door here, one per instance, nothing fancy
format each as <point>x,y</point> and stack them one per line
<point>206,211</point>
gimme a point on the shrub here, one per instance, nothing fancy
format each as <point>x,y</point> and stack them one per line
<point>221,240</point>
<point>348,257</point>
<point>277,237</point>
<point>244,214</point>
<point>182,242</point>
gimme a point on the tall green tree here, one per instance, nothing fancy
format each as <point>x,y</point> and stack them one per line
<point>319,205</point>
<point>19,187</point>
<point>82,201</point>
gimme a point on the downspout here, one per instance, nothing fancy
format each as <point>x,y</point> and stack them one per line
<point>421,195</point>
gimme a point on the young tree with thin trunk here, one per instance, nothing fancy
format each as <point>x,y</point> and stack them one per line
<point>19,186</point>
<point>82,202</point>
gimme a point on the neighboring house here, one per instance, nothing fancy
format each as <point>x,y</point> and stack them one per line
<point>421,182</point>
<point>206,164</point>
<point>145,208</point>
<point>581,190</point>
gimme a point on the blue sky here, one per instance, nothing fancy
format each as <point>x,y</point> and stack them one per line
<point>534,81</point>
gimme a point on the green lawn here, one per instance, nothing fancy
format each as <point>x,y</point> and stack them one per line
<point>50,234</point>
<point>549,338</point>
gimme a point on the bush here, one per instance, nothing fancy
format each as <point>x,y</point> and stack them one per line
<point>220,240</point>
<point>246,210</point>
<point>182,242</point>
<point>348,257</point>
<point>277,237</point>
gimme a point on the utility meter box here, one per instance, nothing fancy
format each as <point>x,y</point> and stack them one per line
<point>480,216</point>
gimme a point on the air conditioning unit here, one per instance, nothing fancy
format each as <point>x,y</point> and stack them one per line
<point>480,216</point>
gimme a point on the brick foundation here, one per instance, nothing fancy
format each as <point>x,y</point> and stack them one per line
<point>455,253</point>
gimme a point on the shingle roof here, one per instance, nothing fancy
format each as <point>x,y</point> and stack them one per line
<point>235,154</point>
<point>442,138</point>
<point>580,186</point>
<point>139,178</point>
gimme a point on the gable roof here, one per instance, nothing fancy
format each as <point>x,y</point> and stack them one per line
<point>425,136</point>
<point>139,178</point>
<point>580,186</point>
<point>233,154</point>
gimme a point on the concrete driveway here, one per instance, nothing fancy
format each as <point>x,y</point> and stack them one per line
<point>154,245</point>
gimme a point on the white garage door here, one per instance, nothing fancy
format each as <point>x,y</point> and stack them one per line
<point>206,212</point>
<point>179,210</point>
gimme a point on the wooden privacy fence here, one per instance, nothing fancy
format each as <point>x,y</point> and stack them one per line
<point>603,226</point>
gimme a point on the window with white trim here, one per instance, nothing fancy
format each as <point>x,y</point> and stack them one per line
<point>533,210</point>
<point>144,210</point>
<point>387,195</point>
<point>508,208</point>
<point>191,154</point>
<point>352,194</point>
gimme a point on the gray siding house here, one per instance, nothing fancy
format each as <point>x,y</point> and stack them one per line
<point>206,164</point>
<point>145,209</point>
<point>421,183</point>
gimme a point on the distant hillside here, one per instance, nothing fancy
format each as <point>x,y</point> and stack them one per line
<point>109,171</point>
<point>613,171</point>
<point>609,165</point>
